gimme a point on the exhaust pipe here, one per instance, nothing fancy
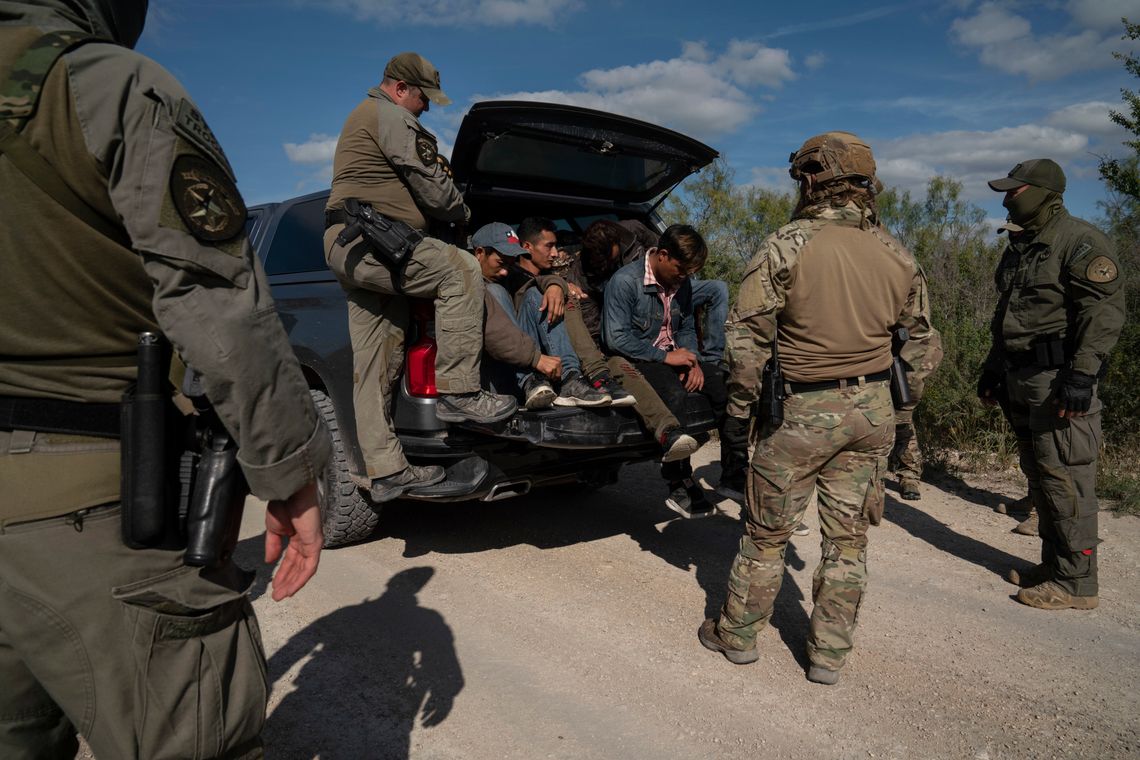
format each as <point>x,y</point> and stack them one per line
<point>508,490</point>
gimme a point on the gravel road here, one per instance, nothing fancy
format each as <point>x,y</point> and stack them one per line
<point>563,625</point>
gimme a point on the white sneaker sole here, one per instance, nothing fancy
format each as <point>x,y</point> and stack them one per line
<point>571,401</point>
<point>541,399</point>
<point>687,514</point>
<point>683,448</point>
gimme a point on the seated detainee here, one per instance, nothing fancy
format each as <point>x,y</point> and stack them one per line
<point>648,318</point>
<point>516,363</point>
<point>607,246</point>
<point>538,300</point>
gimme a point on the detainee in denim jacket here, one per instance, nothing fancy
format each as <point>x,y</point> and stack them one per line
<point>633,314</point>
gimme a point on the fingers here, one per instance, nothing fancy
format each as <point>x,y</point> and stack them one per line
<point>294,572</point>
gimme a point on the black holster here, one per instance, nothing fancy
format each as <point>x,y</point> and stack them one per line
<point>900,388</point>
<point>772,394</point>
<point>393,240</point>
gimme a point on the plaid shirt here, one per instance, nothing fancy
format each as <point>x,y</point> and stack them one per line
<point>665,337</point>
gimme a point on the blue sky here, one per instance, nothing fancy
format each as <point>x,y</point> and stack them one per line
<point>958,87</point>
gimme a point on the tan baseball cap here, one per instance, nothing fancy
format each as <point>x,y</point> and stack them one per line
<point>416,70</point>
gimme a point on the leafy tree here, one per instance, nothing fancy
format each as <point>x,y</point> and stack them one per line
<point>1123,176</point>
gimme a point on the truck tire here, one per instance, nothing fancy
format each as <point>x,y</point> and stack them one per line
<point>346,515</point>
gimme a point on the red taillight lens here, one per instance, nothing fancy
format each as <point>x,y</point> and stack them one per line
<point>420,362</point>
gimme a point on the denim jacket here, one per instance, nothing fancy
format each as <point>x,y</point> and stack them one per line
<point>633,314</point>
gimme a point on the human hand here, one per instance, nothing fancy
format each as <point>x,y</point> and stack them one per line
<point>297,518</point>
<point>551,366</point>
<point>991,384</point>
<point>553,303</point>
<point>1074,394</point>
<point>577,293</point>
<point>694,379</point>
<point>681,357</point>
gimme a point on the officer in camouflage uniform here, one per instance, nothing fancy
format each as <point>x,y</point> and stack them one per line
<point>386,159</point>
<point>1060,312</point>
<point>118,215</point>
<point>827,288</point>
<point>906,457</point>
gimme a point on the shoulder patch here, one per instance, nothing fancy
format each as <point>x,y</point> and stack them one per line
<point>1101,269</point>
<point>1081,251</point>
<point>189,123</point>
<point>425,148</point>
<point>206,199</point>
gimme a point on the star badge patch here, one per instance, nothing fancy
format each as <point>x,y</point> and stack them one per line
<point>206,199</point>
<point>425,147</point>
<point>1101,269</point>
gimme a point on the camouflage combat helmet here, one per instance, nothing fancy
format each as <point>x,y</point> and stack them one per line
<point>833,156</point>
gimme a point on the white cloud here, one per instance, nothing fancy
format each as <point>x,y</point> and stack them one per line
<point>815,61</point>
<point>1089,118</point>
<point>318,149</point>
<point>459,12</point>
<point>698,93</point>
<point>1006,41</point>
<point>1104,14</point>
<point>773,178</point>
<point>973,157</point>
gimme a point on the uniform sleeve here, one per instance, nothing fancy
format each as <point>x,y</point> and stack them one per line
<point>922,353</point>
<point>415,155</point>
<point>1094,288</point>
<point>752,323</point>
<point>174,191</point>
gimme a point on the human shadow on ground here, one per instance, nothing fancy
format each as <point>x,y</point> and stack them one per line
<point>373,668</point>
<point>922,525</point>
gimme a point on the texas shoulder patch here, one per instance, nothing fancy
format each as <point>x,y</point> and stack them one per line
<point>206,199</point>
<point>425,147</point>
<point>1101,269</point>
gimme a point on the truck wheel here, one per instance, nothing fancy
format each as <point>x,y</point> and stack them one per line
<point>346,516</point>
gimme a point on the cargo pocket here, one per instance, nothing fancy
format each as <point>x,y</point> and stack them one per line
<point>772,501</point>
<point>200,679</point>
<point>1078,439</point>
<point>874,500</point>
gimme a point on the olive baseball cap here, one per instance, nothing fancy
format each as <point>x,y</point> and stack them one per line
<point>500,237</point>
<point>1039,172</point>
<point>416,70</point>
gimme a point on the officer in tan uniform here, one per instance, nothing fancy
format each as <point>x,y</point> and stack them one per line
<point>1059,314</point>
<point>119,215</point>
<point>826,290</point>
<point>387,160</point>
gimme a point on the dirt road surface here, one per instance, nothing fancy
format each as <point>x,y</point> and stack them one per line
<point>563,625</point>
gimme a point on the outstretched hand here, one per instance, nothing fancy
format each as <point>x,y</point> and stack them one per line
<point>297,519</point>
<point>553,304</point>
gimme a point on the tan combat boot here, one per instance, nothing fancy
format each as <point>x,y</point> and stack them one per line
<point>1050,596</point>
<point>1031,577</point>
<point>909,488</point>
<point>1028,526</point>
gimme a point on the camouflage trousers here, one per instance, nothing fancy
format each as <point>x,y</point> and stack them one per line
<point>834,442</point>
<point>906,456</point>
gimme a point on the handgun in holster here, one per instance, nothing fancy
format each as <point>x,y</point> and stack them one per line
<point>900,389</point>
<point>772,394</point>
<point>394,240</point>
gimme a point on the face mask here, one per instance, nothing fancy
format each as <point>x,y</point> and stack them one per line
<point>1026,206</point>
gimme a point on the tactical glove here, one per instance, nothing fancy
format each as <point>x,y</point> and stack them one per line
<point>991,385</point>
<point>1075,392</point>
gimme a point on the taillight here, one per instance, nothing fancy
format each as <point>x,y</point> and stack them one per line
<point>420,361</point>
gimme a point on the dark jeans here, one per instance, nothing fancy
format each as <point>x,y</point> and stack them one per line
<point>667,382</point>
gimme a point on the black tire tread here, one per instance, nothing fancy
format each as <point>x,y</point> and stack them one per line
<point>346,515</point>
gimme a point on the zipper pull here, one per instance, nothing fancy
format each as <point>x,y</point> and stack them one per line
<point>76,519</point>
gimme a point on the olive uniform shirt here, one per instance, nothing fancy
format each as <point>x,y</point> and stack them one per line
<point>1063,281</point>
<point>125,136</point>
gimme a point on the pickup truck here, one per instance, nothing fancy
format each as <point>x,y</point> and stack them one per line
<point>511,160</point>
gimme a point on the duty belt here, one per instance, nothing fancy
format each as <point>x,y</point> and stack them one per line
<point>335,216</point>
<point>847,382</point>
<point>49,415</point>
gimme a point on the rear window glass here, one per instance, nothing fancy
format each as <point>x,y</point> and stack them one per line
<point>298,242</point>
<point>521,156</point>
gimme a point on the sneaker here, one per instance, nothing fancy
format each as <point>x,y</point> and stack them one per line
<point>1050,596</point>
<point>678,445</point>
<point>802,530</point>
<point>1028,526</point>
<point>687,499</point>
<point>909,488</point>
<point>732,487</point>
<point>537,393</point>
<point>620,396</point>
<point>481,406</point>
<point>710,639</point>
<point>820,674</point>
<point>413,476</point>
<point>577,392</point>
<point>1031,577</point>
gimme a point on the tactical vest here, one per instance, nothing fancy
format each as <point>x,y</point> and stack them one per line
<point>75,294</point>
